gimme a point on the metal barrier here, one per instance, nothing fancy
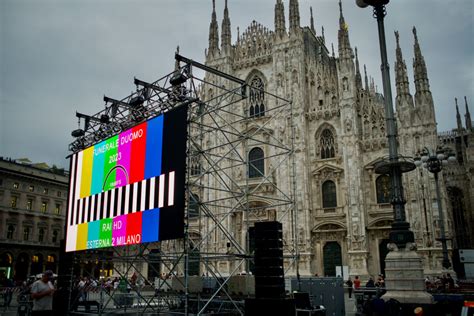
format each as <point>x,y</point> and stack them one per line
<point>328,292</point>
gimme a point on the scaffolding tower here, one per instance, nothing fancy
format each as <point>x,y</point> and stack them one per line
<point>240,170</point>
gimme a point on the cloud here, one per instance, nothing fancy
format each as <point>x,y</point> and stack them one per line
<point>61,56</point>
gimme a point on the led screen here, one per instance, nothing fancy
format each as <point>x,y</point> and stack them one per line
<point>129,188</point>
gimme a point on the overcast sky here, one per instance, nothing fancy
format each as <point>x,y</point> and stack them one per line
<point>57,57</point>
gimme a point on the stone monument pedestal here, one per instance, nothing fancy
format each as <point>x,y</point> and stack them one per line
<point>405,280</point>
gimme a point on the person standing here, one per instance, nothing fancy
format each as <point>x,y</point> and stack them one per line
<point>349,286</point>
<point>450,281</point>
<point>356,283</point>
<point>370,283</point>
<point>42,294</point>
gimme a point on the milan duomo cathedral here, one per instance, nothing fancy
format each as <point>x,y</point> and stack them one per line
<point>344,210</point>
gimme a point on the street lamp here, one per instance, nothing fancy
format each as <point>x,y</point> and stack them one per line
<point>404,268</point>
<point>434,162</point>
<point>394,165</point>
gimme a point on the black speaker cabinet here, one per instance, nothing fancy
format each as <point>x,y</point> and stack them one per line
<point>268,270</point>
<point>270,306</point>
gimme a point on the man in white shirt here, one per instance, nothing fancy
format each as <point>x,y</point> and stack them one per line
<point>42,294</point>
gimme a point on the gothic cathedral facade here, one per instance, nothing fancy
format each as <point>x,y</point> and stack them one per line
<point>344,207</point>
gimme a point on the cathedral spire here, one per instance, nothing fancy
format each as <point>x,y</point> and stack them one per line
<point>226,37</point>
<point>467,116</point>
<point>312,20</point>
<point>401,76</point>
<point>458,116</point>
<point>322,34</point>
<point>213,32</point>
<point>294,16</point>
<point>366,79</point>
<point>345,51</point>
<point>423,98</point>
<point>358,76</point>
<point>280,28</point>
<point>372,85</point>
<point>341,16</point>
<point>419,68</point>
<point>403,100</point>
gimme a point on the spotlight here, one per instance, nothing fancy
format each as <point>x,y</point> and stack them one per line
<point>361,3</point>
<point>136,101</point>
<point>177,79</point>
<point>104,119</point>
<point>365,3</point>
<point>78,133</point>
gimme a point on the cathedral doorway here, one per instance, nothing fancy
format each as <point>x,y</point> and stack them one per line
<point>383,252</point>
<point>332,257</point>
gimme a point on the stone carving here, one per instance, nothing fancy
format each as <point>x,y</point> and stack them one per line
<point>355,231</point>
<point>392,247</point>
<point>348,124</point>
<point>357,263</point>
<point>411,246</point>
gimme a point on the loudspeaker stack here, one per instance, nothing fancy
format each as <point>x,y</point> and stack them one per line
<point>269,275</point>
<point>64,286</point>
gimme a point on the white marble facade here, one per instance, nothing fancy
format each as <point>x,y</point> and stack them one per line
<point>339,135</point>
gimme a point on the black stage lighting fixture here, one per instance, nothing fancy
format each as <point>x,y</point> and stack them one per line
<point>104,119</point>
<point>366,3</point>
<point>78,133</point>
<point>136,101</point>
<point>178,79</point>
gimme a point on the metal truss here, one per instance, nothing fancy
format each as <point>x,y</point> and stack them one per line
<point>229,201</point>
<point>222,201</point>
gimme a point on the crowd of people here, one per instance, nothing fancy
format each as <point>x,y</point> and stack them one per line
<point>437,284</point>
<point>84,285</point>
<point>440,283</point>
<point>356,284</point>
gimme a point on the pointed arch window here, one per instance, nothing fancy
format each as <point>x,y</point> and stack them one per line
<point>256,163</point>
<point>257,98</point>
<point>327,144</point>
<point>384,189</point>
<point>329,194</point>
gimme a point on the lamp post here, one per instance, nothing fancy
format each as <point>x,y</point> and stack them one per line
<point>434,161</point>
<point>394,165</point>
